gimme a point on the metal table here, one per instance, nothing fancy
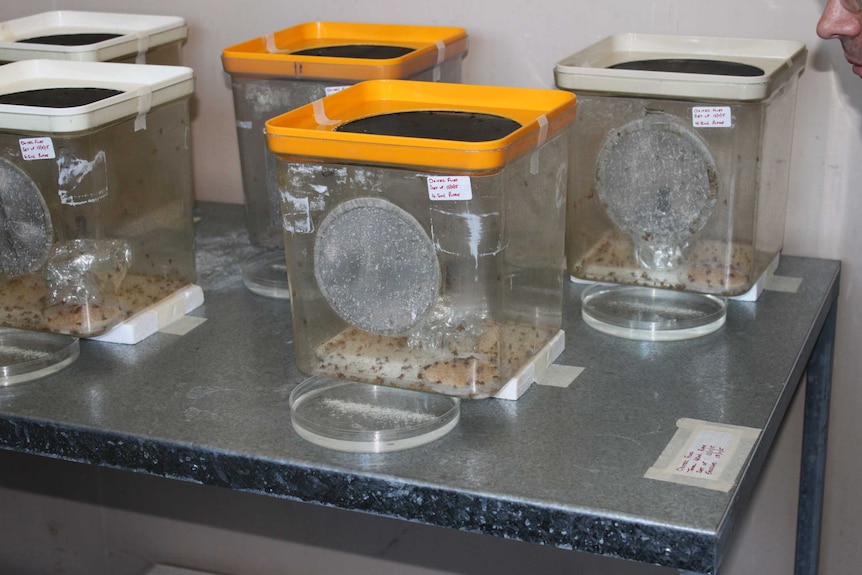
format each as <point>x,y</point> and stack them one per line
<point>561,466</point>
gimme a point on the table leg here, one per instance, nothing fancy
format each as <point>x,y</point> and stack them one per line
<point>814,440</point>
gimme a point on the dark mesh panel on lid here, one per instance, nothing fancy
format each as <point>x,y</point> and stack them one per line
<point>58,97</point>
<point>438,125</point>
<point>365,51</point>
<point>81,39</point>
<point>691,66</point>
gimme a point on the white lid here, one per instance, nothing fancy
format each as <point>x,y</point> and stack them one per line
<point>138,34</point>
<point>143,87</point>
<point>589,70</point>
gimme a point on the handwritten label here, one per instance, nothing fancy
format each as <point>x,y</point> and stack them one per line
<point>330,90</point>
<point>704,453</point>
<point>711,117</point>
<point>449,188</point>
<point>37,148</point>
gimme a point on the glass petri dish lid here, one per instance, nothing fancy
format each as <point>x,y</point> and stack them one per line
<point>650,314</point>
<point>29,355</point>
<point>266,274</point>
<point>367,418</point>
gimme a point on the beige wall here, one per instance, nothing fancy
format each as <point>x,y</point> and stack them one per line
<point>517,42</point>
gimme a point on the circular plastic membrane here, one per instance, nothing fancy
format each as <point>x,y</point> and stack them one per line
<point>376,266</point>
<point>657,179</point>
<point>28,355</point>
<point>266,274</point>
<point>25,222</point>
<point>649,314</point>
<point>367,418</point>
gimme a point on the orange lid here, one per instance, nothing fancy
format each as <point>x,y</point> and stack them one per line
<point>310,132</point>
<point>276,54</point>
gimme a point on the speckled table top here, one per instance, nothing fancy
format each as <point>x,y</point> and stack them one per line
<point>561,466</point>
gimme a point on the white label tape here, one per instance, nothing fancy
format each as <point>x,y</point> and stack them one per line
<point>703,454</point>
<point>320,116</point>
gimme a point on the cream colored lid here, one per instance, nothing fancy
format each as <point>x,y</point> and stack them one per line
<point>142,87</point>
<point>590,69</point>
<point>137,33</point>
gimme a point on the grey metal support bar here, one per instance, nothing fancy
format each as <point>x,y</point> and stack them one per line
<point>814,441</point>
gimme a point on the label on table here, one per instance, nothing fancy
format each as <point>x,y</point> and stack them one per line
<point>704,454</point>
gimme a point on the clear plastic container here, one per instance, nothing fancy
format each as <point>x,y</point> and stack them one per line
<point>680,160</point>
<point>93,37</point>
<point>289,68</point>
<point>425,231</point>
<point>96,193</point>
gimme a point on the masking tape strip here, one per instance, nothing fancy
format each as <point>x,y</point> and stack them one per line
<point>784,284</point>
<point>270,44</point>
<point>559,375</point>
<point>145,101</point>
<point>704,454</point>
<point>543,135</point>
<point>441,57</point>
<point>143,48</point>
<point>183,325</point>
<point>320,114</point>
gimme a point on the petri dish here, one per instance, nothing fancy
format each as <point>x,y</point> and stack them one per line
<point>367,418</point>
<point>266,274</point>
<point>29,355</point>
<point>650,314</point>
